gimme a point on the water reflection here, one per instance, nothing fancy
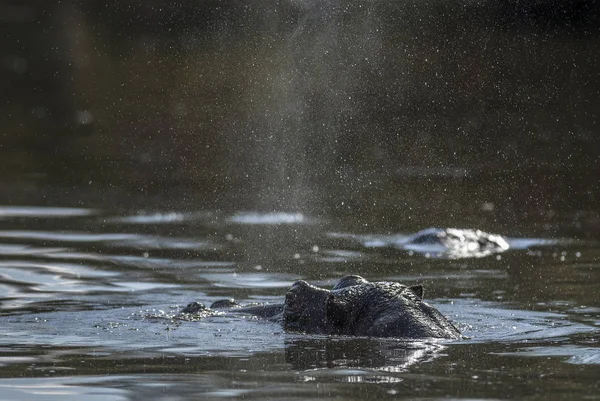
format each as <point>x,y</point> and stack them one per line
<point>268,218</point>
<point>33,212</point>
<point>112,240</point>
<point>345,354</point>
<point>160,218</point>
<point>249,280</point>
<point>575,354</point>
<point>57,389</point>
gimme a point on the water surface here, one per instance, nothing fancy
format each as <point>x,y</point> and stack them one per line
<point>158,153</point>
<point>91,297</point>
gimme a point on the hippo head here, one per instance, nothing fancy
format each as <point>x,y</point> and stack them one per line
<point>305,308</point>
<point>310,309</point>
<point>356,306</point>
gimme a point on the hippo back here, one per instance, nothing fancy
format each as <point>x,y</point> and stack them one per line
<point>386,309</point>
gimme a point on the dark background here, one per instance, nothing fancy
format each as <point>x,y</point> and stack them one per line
<point>394,113</point>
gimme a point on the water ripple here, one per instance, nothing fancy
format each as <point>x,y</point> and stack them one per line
<point>112,239</point>
<point>273,218</point>
<point>578,355</point>
<point>161,217</point>
<point>38,211</point>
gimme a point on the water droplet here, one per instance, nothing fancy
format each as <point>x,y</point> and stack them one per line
<point>487,207</point>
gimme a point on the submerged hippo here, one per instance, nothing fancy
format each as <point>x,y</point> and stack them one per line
<point>354,307</point>
<point>455,242</point>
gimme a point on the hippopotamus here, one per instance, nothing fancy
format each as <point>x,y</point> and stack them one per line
<point>455,242</point>
<point>353,307</point>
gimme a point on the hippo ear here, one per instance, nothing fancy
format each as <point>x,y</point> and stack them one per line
<point>417,289</point>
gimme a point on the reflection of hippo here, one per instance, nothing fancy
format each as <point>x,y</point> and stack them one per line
<point>455,242</point>
<point>310,354</point>
<point>354,307</point>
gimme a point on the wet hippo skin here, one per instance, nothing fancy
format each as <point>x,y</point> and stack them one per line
<point>354,307</point>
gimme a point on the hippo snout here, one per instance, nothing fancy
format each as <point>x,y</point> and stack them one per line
<point>298,295</point>
<point>304,308</point>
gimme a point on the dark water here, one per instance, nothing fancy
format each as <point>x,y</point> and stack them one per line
<point>154,154</point>
<point>90,298</point>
